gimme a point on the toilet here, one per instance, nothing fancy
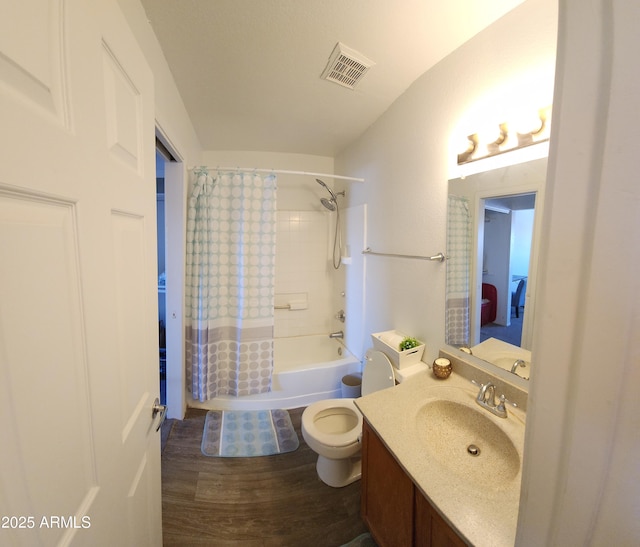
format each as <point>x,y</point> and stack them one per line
<point>333,428</point>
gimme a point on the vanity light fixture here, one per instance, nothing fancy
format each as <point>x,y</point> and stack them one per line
<point>508,139</point>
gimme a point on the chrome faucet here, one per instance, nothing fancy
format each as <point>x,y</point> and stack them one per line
<point>518,363</point>
<point>487,399</point>
<point>337,334</point>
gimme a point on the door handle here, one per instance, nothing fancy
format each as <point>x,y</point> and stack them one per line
<point>158,408</point>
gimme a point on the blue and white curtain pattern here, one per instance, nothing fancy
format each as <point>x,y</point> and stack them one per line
<point>231,241</point>
<point>458,271</point>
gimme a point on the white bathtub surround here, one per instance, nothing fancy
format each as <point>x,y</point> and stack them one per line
<point>291,302</point>
<point>352,279</point>
<point>306,369</point>
<point>302,275</point>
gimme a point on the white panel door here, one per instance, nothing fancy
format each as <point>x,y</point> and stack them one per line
<point>80,454</point>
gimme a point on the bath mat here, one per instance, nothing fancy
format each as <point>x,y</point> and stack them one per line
<point>363,540</point>
<point>247,433</point>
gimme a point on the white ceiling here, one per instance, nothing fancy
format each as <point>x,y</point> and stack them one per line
<point>249,70</point>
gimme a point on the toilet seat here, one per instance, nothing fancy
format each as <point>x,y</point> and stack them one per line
<point>343,410</point>
<point>337,423</point>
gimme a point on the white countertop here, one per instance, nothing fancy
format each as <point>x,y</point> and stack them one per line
<point>483,516</point>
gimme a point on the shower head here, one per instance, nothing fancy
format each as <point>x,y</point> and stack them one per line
<point>321,183</point>
<point>328,203</point>
<point>331,204</point>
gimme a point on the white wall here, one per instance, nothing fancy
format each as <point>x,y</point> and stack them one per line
<point>170,113</point>
<point>522,230</point>
<point>406,158</point>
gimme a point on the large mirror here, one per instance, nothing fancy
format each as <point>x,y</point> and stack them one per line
<point>493,234</point>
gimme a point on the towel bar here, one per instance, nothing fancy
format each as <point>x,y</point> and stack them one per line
<point>440,257</point>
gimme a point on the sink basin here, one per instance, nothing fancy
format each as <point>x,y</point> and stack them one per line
<point>468,442</point>
<point>503,355</point>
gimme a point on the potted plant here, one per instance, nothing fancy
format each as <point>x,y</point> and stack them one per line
<point>408,342</point>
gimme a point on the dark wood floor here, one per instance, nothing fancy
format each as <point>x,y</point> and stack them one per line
<point>265,501</point>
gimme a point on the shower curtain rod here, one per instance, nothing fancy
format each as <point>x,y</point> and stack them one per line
<point>281,172</point>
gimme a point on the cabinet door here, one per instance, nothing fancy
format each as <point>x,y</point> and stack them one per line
<point>387,494</point>
<point>431,530</point>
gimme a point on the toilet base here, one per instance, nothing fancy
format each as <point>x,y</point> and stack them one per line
<point>339,473</point>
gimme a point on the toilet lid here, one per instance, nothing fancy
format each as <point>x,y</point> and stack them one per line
<point>377,373</point>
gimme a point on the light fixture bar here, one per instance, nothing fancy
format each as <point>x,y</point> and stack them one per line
<point>507,140</point>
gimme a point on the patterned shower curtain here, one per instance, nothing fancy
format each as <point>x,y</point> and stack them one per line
<point>458,271</point>
<point>231,237</point>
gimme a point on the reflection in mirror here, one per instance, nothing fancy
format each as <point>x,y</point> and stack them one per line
<point>505,249</point>
<point>504,355</point>
<point>492,242</point>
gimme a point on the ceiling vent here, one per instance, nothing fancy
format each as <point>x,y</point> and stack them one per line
<point>346,66</point>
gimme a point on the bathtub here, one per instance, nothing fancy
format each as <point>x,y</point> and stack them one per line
<point>306,369</point>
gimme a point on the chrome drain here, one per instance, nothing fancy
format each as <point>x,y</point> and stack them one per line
<point>473,450</point>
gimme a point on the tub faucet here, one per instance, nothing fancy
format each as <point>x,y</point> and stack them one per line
<point>487,399</point>
<point>337,334</point>
<point>518,363</point>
